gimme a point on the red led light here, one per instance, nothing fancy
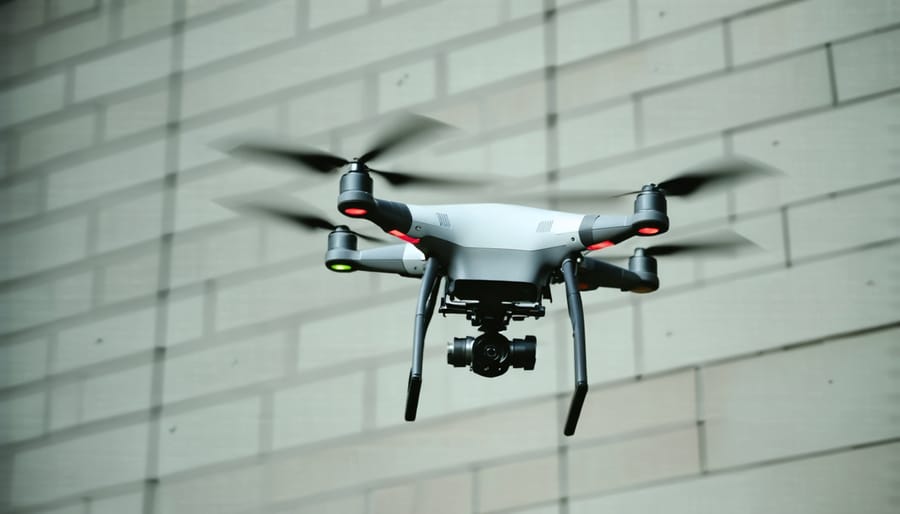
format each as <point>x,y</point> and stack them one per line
<point>401,235</point>
<point>648,231</point>
<point>601,245</point>
<point>355,211</point>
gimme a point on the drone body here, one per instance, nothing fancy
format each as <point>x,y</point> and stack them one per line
<point>497,261</point>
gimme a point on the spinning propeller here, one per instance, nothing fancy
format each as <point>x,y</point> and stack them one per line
<point>408,129</point>
<point>705,178</point>
<point>722,243</point>
<point>293,215</point>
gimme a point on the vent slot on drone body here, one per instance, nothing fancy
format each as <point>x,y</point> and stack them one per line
<point>544,226</point>
<point>443,219</point>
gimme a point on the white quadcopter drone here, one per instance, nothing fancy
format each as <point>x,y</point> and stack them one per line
<point>498,261</point>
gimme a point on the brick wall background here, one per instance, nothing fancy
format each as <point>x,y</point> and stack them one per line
<point>160,354</point>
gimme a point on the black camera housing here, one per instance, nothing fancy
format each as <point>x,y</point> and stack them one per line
<point>491,354</point>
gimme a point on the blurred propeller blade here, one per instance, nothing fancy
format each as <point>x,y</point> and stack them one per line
<point>294,216</point>
<point>725,172</point>
<point>408,178</point>
<point>409,128</point>
<point>315,160</point>
<point>725,243</point>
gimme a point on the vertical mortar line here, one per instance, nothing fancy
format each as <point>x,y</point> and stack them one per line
<point>476,490</point>
<point>115,20</point>
<point>52,346</point>
<point>165,257</point>
<point>210,296</point>
<point>727,44</point>
<point>786,236</point>
<point>635,22</point>
<point>700,417</point>
<point>93,236</point>
<point>266,422</point>
<point>832,77</point>
<point>302,17</point>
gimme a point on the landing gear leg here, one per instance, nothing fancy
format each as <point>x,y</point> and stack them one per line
<point>576,314</point>
<point>424,311</point>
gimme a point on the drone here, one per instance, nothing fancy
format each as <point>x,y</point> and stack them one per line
<point>496,261</point>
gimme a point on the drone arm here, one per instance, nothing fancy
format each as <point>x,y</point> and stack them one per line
<point>403,259</point>
<point>639,278</point>
<point>424,310</point>
<point>576,314</point>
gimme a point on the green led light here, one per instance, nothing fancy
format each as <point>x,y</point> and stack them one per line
<point>341,267</point>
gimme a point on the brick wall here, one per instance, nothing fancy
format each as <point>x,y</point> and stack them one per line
<point>160,354</point>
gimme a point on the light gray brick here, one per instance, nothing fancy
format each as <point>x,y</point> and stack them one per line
<point>328,108</point>
<point>518,483</point>
<point>27,306</point>
<point>610,340</point>
<point>519,155</point>
<point>139,16</point>
<point>393,500</point>
<point>65,406</point>
<point>407,85</point>
<point>21,416</point>
<point>418,28</point>
<point>185,319</point>
<point>417,449</point>
<point>137,114</point>
<point>867,66</point>
<point>523,8</point>
<point>116,393</point>
<point>514,104</point>
<point>641,68</point>
<point>596,135</point>
<point>742,97</point>
<point>830,396</point>
<point>43,248</point>
<point>123,70</point>
<point>657,17</point>
<point>280,295</point>
<point>639,406</point>
<point>592,29</point>
<point>197,7</point>
<point>214,492</point>
<point>63,8</point>
<point>19,200</point>
<point>806,24</point>
<point>129,222</point>
<point>209,143</point>
<point>807,486</point>
<point>209,435</point>
<point>72,40</point>
<point>346,504</point>
<point>31,99</point>
<point>132,278</point>
<point>319,410</point>
<point>770,310</point>
<point>633,462</point>
<point>105,339</point>
<point>495,60</point>
<point>225,366</point>
<point>860,137</point>
<point>844,222</point>
<point>77,508</point>
<point>324,12</point>
<point>23,361</point>
<point>122,504</point>
<point>106,174</point>
<point>73,466</point>
<point>446,494</point>
<point>51,141</point>
<point>257,27</point>
<point>21,16</point>
<point>199,259</point>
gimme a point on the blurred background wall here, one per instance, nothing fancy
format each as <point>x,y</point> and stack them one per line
<point>161,354</point>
